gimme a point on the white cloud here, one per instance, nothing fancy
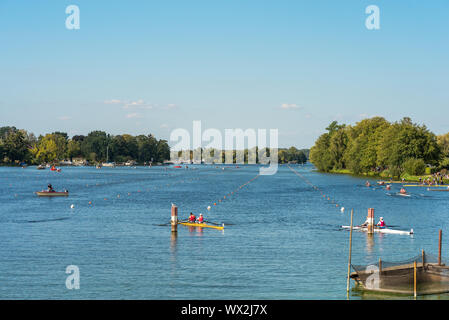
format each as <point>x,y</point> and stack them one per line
<point>287,106</point>
<point>170,106</point>
<point>113,101</point>
<point>137,104</point>
<point>140,104</point>
<point>133,115</point>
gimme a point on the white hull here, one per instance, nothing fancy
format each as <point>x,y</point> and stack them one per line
<point>385,230</point>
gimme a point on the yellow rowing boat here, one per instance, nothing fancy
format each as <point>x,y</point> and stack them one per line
<point>201,225</point>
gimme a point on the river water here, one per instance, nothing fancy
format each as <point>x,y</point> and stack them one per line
<point>282,238</point>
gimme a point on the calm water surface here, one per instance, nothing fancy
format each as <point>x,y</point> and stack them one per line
<point>282,240</point>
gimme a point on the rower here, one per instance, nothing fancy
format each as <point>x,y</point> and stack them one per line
<point>367,184</point>
<point>200,218</point>
<point>402,191</point>
<point>388,187</point>
<point>192,217</point>
<point>50,188</point>
<point>381,222</point>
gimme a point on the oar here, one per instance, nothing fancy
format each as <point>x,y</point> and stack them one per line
<point>217,224</point>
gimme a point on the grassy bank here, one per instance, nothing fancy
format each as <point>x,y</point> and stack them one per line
<point>407,177</point>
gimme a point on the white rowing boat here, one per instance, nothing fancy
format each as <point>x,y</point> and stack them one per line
<point>380,230</point>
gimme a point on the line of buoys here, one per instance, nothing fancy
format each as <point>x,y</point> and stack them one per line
<point>342,209</point>
<point>233,192</point>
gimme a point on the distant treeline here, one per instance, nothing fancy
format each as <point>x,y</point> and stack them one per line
<point>376,146</point>
<point>98,146</point>
<point>292,155</point>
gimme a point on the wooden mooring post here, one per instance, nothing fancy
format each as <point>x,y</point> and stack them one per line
<point>414,279</point>
<point>439,246</point>
<point>350,253</point>
<point>174,218</point>
<point>370,220</point>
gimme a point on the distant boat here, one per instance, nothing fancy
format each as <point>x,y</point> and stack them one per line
<point>52,193</point>
<point>108,164</point>
<point>40,167</point>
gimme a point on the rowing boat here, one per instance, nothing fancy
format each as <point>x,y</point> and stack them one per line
<point>381,230</point>
<point>403,194</point>
<point>430,189</point>
<point>201,225</point>
<point>427,185</point>
<point>52,194</point>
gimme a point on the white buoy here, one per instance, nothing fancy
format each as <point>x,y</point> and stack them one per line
<point>342,209</point>
<point>208,207</point>
<point>72,206</point>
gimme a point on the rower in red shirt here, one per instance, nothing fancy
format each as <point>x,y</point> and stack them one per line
<point>200,218</point>
<point>381,223</point>
<point>192,218</point>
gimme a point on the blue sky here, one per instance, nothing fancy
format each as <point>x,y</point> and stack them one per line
<point>143,67</point>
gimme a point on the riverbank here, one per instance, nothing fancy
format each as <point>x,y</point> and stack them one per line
<point>405,176</point>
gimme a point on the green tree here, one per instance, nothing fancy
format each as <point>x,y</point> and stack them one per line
<point>414,167</point>
<point>15,145</point>
<point>47,149</point>
<point>364,138</point>
<point>73,149</point>
<point>404,140</point>
<point>95,143</point>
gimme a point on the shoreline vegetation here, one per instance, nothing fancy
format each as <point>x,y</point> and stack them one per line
<point>20,148</point>
<point>376,148</point>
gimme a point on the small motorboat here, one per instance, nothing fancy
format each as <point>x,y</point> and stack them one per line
<point>45,193</point>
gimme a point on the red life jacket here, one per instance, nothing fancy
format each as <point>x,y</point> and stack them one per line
<point>382,223</point>
<point>192,218</point>
<point>200,219</point>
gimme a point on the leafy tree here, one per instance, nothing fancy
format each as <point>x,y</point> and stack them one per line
<point>47,149</point>
<point>96,144</point>
<point>443,142</point>
<point>73,149</point>
<point>404,140</point>
<point>414,166</point>
<point>14,144</point>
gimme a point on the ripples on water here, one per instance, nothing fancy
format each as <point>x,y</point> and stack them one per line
<point>283,239</point>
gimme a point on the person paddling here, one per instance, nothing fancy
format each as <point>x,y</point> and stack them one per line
<point>200,218</point>
<point>50,188</point>
<point>381,222</point>
<point>402,191</point>
<point>192,218</point>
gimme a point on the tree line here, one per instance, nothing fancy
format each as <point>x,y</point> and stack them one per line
<point>376,146</point>
<point>211,155</point>
<point>17,145</point>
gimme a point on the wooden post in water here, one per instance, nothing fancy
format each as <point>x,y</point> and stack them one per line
<point>174,218</point>
<point>423,260</point>
<point>350,252</point>
<point>439,246</point>
<point>414,279</point>
<point>370,221</point>
<point>380,266</point>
